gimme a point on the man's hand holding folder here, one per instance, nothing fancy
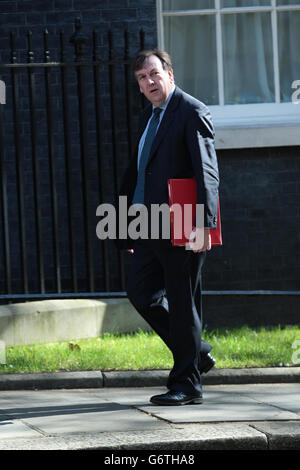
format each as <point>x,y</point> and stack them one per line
<point>200,240</point>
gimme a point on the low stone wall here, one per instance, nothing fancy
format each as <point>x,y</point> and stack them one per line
<point>61,320</point>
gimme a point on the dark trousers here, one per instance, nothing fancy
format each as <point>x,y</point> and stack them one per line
<point>164,285</point>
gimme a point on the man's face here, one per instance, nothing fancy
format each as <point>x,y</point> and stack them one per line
<point>155,82</point>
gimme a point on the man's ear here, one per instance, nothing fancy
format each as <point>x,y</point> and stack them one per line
<point>171,75</point>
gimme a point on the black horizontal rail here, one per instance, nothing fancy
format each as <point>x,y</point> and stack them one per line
<point>123,294</point>
<point>67,64</point>
<point>64,295</point>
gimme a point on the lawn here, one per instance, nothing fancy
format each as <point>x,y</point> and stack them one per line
<point>233,348</point>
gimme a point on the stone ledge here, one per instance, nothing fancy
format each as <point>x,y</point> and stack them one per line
<point>253,375</point>
<point>49,321</point>
<point>135,378</point>
<point>142,378</point>
<point>51,380</point>
<point>152,378</point>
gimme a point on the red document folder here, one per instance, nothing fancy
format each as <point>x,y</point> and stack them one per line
<point>184,192</point>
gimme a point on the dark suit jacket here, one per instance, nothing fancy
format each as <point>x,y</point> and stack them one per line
<point>183,148</point>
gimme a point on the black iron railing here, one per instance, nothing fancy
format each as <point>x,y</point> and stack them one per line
<point>66,133</point>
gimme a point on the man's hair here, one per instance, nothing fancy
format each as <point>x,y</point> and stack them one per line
<point>142,56</point>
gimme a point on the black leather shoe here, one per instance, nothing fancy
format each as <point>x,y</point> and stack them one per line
<point>206,363</point>
<point>176,398</point>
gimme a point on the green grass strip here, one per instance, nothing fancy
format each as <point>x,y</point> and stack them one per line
<point>233,348</point>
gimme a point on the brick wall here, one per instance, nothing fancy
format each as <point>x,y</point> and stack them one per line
<point>260,195</point>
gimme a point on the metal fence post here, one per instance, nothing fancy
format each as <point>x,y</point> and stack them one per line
<point>79,40</point>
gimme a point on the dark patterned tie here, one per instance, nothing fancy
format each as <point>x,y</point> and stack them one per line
<point>138,197</point>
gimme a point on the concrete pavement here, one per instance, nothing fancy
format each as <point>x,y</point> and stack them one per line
<point>253,409</point>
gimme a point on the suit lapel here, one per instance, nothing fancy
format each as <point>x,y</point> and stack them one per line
<point>166,121</point>
<point>164,125</point>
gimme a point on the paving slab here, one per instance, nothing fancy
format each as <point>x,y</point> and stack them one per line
<point>281,436</point>
<point>282,396</point>
<point>244,416</point>
<point>15,429</point>
<point>188,437</point>
<point>235,403</point>
<point>101,418</point>
<point>65,412</point>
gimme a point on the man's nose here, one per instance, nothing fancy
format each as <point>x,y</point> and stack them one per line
<point>150,80</point>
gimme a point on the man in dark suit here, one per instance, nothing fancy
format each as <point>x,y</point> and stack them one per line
<point>176,140</point>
